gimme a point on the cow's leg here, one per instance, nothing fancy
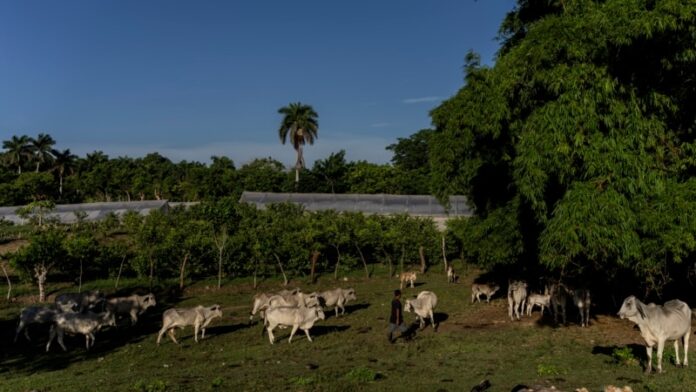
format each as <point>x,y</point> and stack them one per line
<point>20,327</point>
<point>161,333</point>
<point>60,339</point>
<point>412,282</point>
<point>134,317</point>
<point>269,328</point>
<point>473,296</point>
<point>196,328</point>
<point>648,368</point>
<point>432,318</point>
<point>686,347</point>
<point>51,336</point>
<point>660,350</point>
<point>292,333</point>
<point>306,331</point>
<point>172,335</point>
<point>676,353</point>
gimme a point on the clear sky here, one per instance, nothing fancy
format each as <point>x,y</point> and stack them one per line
<point>191,79</point>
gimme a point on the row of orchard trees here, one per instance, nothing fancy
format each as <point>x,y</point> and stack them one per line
<point>227,239</point>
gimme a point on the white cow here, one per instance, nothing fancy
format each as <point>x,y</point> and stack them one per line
<point>35,315</point>
<point>658,324</point>
<point>337,298</point>
<point>297,318</point>
<point>409,276</point>
<point>541,300</point>
<point>294,297</point>
<point>199,317</point>
<point>488,290</point>
<point>79,323</point>
<point>517,296</point>
<point>134,305</point>
<point>423,307</point>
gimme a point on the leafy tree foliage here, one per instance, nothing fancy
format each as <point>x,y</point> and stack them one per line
<point>577,147</point>
<point>300,125</point>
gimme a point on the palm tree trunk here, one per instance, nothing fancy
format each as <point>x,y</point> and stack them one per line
<point>299,164</point>
<point>60,188</point>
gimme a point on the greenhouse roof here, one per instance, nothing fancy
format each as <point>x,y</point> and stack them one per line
<point>68,213</point>
<point>420,205</point>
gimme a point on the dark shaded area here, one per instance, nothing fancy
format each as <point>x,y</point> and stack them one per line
<point>31,356</point>
<point>349,309</point>
<point>319,330</point>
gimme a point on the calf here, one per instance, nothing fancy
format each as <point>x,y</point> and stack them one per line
<point>133,305</point>
<point>199,317</point>
<point>541,300</point>
<point>79,323</point>
<point>658,324</point>
<point>423,307</point>
<point>337,298</point>
<point>79,302</point>
<point>409,276</point>
<point>302,318</point>
<point>451,275</point>
<point>35,315</point>
<point>488,290</point>
<point>517,296</point>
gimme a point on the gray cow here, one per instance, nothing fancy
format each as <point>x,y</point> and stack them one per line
<point>658,324</point>
<point>79,302</point>
<point>79,324</point>
<point>488,290</point>
<point>133,305</point>
<point>297,318</point>
<point>35,315</point>
<point>517,297</point>
<point>199,317</point>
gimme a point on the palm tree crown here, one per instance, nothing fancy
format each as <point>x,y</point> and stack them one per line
<point>299,126</point>
<point>64,162</point>
<point>42,149</point>
<point>18,151</point>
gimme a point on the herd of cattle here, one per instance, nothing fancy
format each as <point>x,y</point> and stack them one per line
<point>76,313</point>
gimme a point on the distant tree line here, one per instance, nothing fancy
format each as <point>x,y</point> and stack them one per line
<point>32,170</point>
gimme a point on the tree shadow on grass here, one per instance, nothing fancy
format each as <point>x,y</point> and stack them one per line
<point>319,330</point>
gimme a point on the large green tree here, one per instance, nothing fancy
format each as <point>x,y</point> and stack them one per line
<point>42,149</point>
<point>577,147</point>
<point>17,151</point>
<point>300,126</point>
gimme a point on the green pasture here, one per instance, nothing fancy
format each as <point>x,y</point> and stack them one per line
<point>472,343</point>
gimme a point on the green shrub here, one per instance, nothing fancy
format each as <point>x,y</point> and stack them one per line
<point>547,370</point>
<point>154,386</point>
<point>362,374</point>
<point>624,356</point>
<point>302,381</point>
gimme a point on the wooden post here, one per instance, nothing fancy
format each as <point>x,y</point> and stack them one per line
<point>315,257</point>
<point>444,253</point>
<point>421,252</point>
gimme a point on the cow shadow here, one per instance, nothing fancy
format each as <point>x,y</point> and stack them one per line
<point>225,329</point>
<point>350,309</point>
<point>319,330</point>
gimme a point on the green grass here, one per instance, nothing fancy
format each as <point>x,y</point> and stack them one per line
<point>473,343</point>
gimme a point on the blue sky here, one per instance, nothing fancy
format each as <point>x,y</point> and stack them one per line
<point>191,79</point>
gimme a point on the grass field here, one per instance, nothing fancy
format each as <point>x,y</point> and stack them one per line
<point>473,343</point>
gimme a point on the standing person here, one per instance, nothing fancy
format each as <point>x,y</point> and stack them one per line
<point>396,318</point>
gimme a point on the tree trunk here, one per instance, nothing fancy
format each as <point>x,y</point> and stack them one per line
<point>40,273</point>
<point>389,260</point>
<point>256,267</point>
<point>220,242</point>
<point>401,259</point>
<point>444,254</point>
<point>79,279</point>
<point>421,253</point>
<point>9,282</point>
<point>362,257</point>
<point>152,270</point>
<point>120,269</point>
<point>60,181</point>
<point>315,257</point>
<point>221,250</point>
<point>37,166</point>
<point>338,261</point>
<point>282,271</point>
<point>182,272</point>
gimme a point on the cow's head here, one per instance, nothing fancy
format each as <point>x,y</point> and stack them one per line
<point>350,295</point>
<point>215,311</point>
<point>320,313</point>
<point>631,308</point>
<point>109,319</point>
<point>494,288</point>
<point>409,306</point>
<point>149,300</point>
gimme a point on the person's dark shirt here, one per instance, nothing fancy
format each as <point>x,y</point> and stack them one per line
<point>396,313</point>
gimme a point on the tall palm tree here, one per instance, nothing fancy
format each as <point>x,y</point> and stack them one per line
<point>300,126</point>
<point>64,162</point>
<point>42,147</point>
<point>18,151</point>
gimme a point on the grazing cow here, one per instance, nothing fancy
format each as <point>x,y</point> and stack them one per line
<point>658,324</point>
<point>35,315</point>
<point>517,296</point>
<point>261,300</point>
<point>79,302</point>
<point>559,299</point>
<point>134,305</point>
<point>488,290</point>
<point>451,275</point>
<point>423,307</point>
<point>199,317</point>
<point>302,318</point>
<point>541,300</point>
<point>581,299</point>
<point>337,298</point>
<point>79,323</point>
<point>409,276</point>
